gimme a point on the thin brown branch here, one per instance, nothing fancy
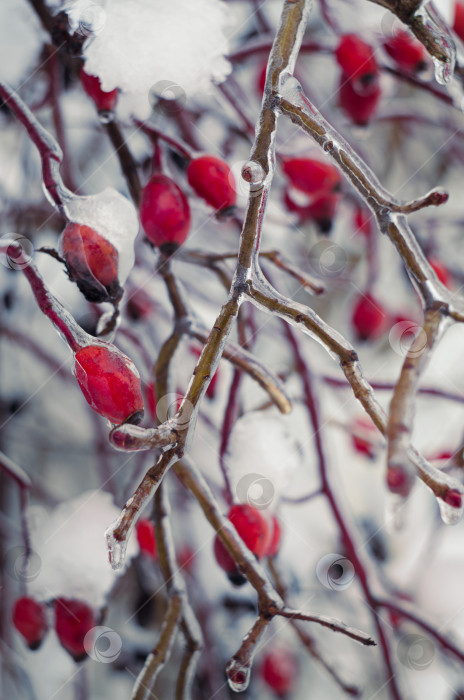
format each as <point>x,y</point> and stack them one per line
<point>330,622</point>
<point>126,159</point>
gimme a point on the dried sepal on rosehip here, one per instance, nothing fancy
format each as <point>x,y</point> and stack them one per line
<point>30,619</point>
<point>164,213</point>
<point>253,528</point>
<point>104,101</point>
<point>91,262</point>
<point>73,620</point>
<point>110,383</point>
<point>212,180</point>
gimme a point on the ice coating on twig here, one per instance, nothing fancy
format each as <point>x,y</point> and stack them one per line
<point>114,217</point>
<point>432,21</point>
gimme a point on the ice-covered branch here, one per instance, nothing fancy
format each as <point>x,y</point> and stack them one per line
<point>50,152</point>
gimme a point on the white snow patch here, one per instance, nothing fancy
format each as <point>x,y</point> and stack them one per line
<point>71,545</point>
<point>143,42</point>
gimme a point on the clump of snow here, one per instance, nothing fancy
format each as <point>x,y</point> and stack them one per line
<point>262,456</point>
<point>72,549</point>
<point>144,42</point>
<point>114,217</point>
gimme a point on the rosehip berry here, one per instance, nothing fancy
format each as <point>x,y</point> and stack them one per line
<point>276,536</point>
<point>362,437</point>
<point>212,180</point>
<point>254,530</point>
<point>104,101</point>
<point>357,60</point>
<point>368,318</point>
<point>279,670</point>
<point>458,24</point>
<point>30,619</point>
<point>91,262</point>
<point>441,271</point>
<point>399,481</point>
<point>110,383</point>
<point>146,537</point>
<point>359,107</point>
<point>164,213</point>
<point>453,498</point>
<point>73,620</point>
<point>408,53</point>
<point>312,176</point>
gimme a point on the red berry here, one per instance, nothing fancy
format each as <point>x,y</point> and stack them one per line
<point>362,437</point>
<point>368,318</point>
<point>92,262</point>
<point>146,537</point>
<point>359,107</point>
<point>164,212</point>
<point>212,180</point>
<point>357,60</point>
<point>73,620</point>
<point>254,530</point>
<point>441,271</point>
<point>399,481</point>
<point>30,619</point>
<point>312,176</point>
<point>458,24</point>
<point>104,101</point>
<point>276,536</point>
<point>453,498</point>
<point>279,671</point>
<point>408,53</point>
<point>110,383</point>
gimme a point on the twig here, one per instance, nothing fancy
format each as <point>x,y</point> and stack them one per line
<point>50,153</point>
<point>126,159</point>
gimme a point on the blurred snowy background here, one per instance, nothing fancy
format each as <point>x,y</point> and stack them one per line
<point>413,143</point>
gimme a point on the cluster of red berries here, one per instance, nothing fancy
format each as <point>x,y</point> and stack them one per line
<point>261,535</point>
<point>73,620</point>
<point>359,89</point>
<point>165,210</point>
<point>317,186</point>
